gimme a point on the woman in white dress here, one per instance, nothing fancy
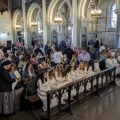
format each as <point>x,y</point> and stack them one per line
<point>73,72</point>
<point>81,71</point>
<point>69,78</point>
<point>53,83</point>
<point>44,86</point>
<point>51,78</point>
<point>88,72</point>
<point>109,62</point>
<point>115,62</point>
<point>59,74</point>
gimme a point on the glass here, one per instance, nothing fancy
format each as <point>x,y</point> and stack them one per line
<point>113,17</point>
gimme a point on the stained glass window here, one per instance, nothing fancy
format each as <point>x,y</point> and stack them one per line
<point>39,30</point>
<point>113,17</point>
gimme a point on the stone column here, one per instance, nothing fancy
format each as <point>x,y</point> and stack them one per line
<point>44,21</point>
<point>74,21</point>
<point>79,33</point>
<point>25,22</point>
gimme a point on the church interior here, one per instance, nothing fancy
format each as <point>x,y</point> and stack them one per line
<point>59,59</point>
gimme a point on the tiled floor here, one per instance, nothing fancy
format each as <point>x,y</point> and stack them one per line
<point>106,107</point>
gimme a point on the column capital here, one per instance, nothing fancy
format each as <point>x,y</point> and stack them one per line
<point>117,11</point>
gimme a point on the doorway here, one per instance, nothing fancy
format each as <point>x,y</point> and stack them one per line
<point>54,38</point>
<point>84,41</point>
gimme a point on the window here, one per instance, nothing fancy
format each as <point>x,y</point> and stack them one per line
<point>113,16</point>
<point>39,30</point>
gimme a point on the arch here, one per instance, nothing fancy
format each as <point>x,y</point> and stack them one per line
<point>54,37</point>
<point>30,12</point>
<point>69,5</point>
<point>81,8</point>
<point>15,15</point>
<point>113,16</point>
<point>52,6</point>
<point>111,2</point>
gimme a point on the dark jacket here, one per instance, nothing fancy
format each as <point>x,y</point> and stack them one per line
<point>46,48</point>
<point>69,52</point>
<point>5,81</point>
<point>96,45</point>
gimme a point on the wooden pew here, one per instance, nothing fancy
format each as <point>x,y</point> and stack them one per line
<point>58,110</point>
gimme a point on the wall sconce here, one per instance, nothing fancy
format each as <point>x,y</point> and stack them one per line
<point>34,24</point>
<point>18,27</point>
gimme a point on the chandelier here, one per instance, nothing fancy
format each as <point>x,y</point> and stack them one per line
<point>58,20</point>
<point>96,13</point>
<point>34,24</point>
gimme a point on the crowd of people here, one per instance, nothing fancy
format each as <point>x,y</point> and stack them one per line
<point>63,66</point>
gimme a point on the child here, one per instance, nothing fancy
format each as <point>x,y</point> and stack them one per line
<point>42,64</point>
<point>51,78</point>
<point>59,73</point>
<point>81,71</point>
<point>48,63</point>
<point>44,86</point>
<point>39,56</point>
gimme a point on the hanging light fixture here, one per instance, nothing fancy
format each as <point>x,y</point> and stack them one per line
<point>95,12</point>
<point>58,20</point>
<point>18,27</point>
<point>34,24</point>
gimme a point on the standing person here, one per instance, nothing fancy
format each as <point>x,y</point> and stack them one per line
<point>49,50</point>
<point>6,99</point>
<point>96,44</point>
<point>69,52</point>
<point>32,43</point>
<point>57,56</point>
<point>1,54</point>
<point>84,56</point>
<point>102,48</point>
<point>101,42</point>
<point>91,42</point>
<point>46,47</point>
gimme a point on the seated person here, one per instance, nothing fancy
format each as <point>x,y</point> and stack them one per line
<point>34,61</point>
<point>29,72</point>
<point>96,65</point>
<point>59,73</point>
<point>17,86</point>
<point>42,64</point>
<point>39,56</point>
<point>5,58</point>
<point>73,72</point>
<point>65,60</point>
<point>81,70</point>
<point>51,78</point>
<point>48,63</point>
<point>22,62</point>
<point>67,73</point>
<point>42,87</point>
<point>114,60</point>
<point>109,62</point>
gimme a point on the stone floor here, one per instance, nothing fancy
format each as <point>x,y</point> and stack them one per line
<point>106,107</point>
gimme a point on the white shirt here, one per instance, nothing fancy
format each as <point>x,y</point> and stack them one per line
<point>102,48</point>
<point>57,56</point>
<point>109,63</point>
